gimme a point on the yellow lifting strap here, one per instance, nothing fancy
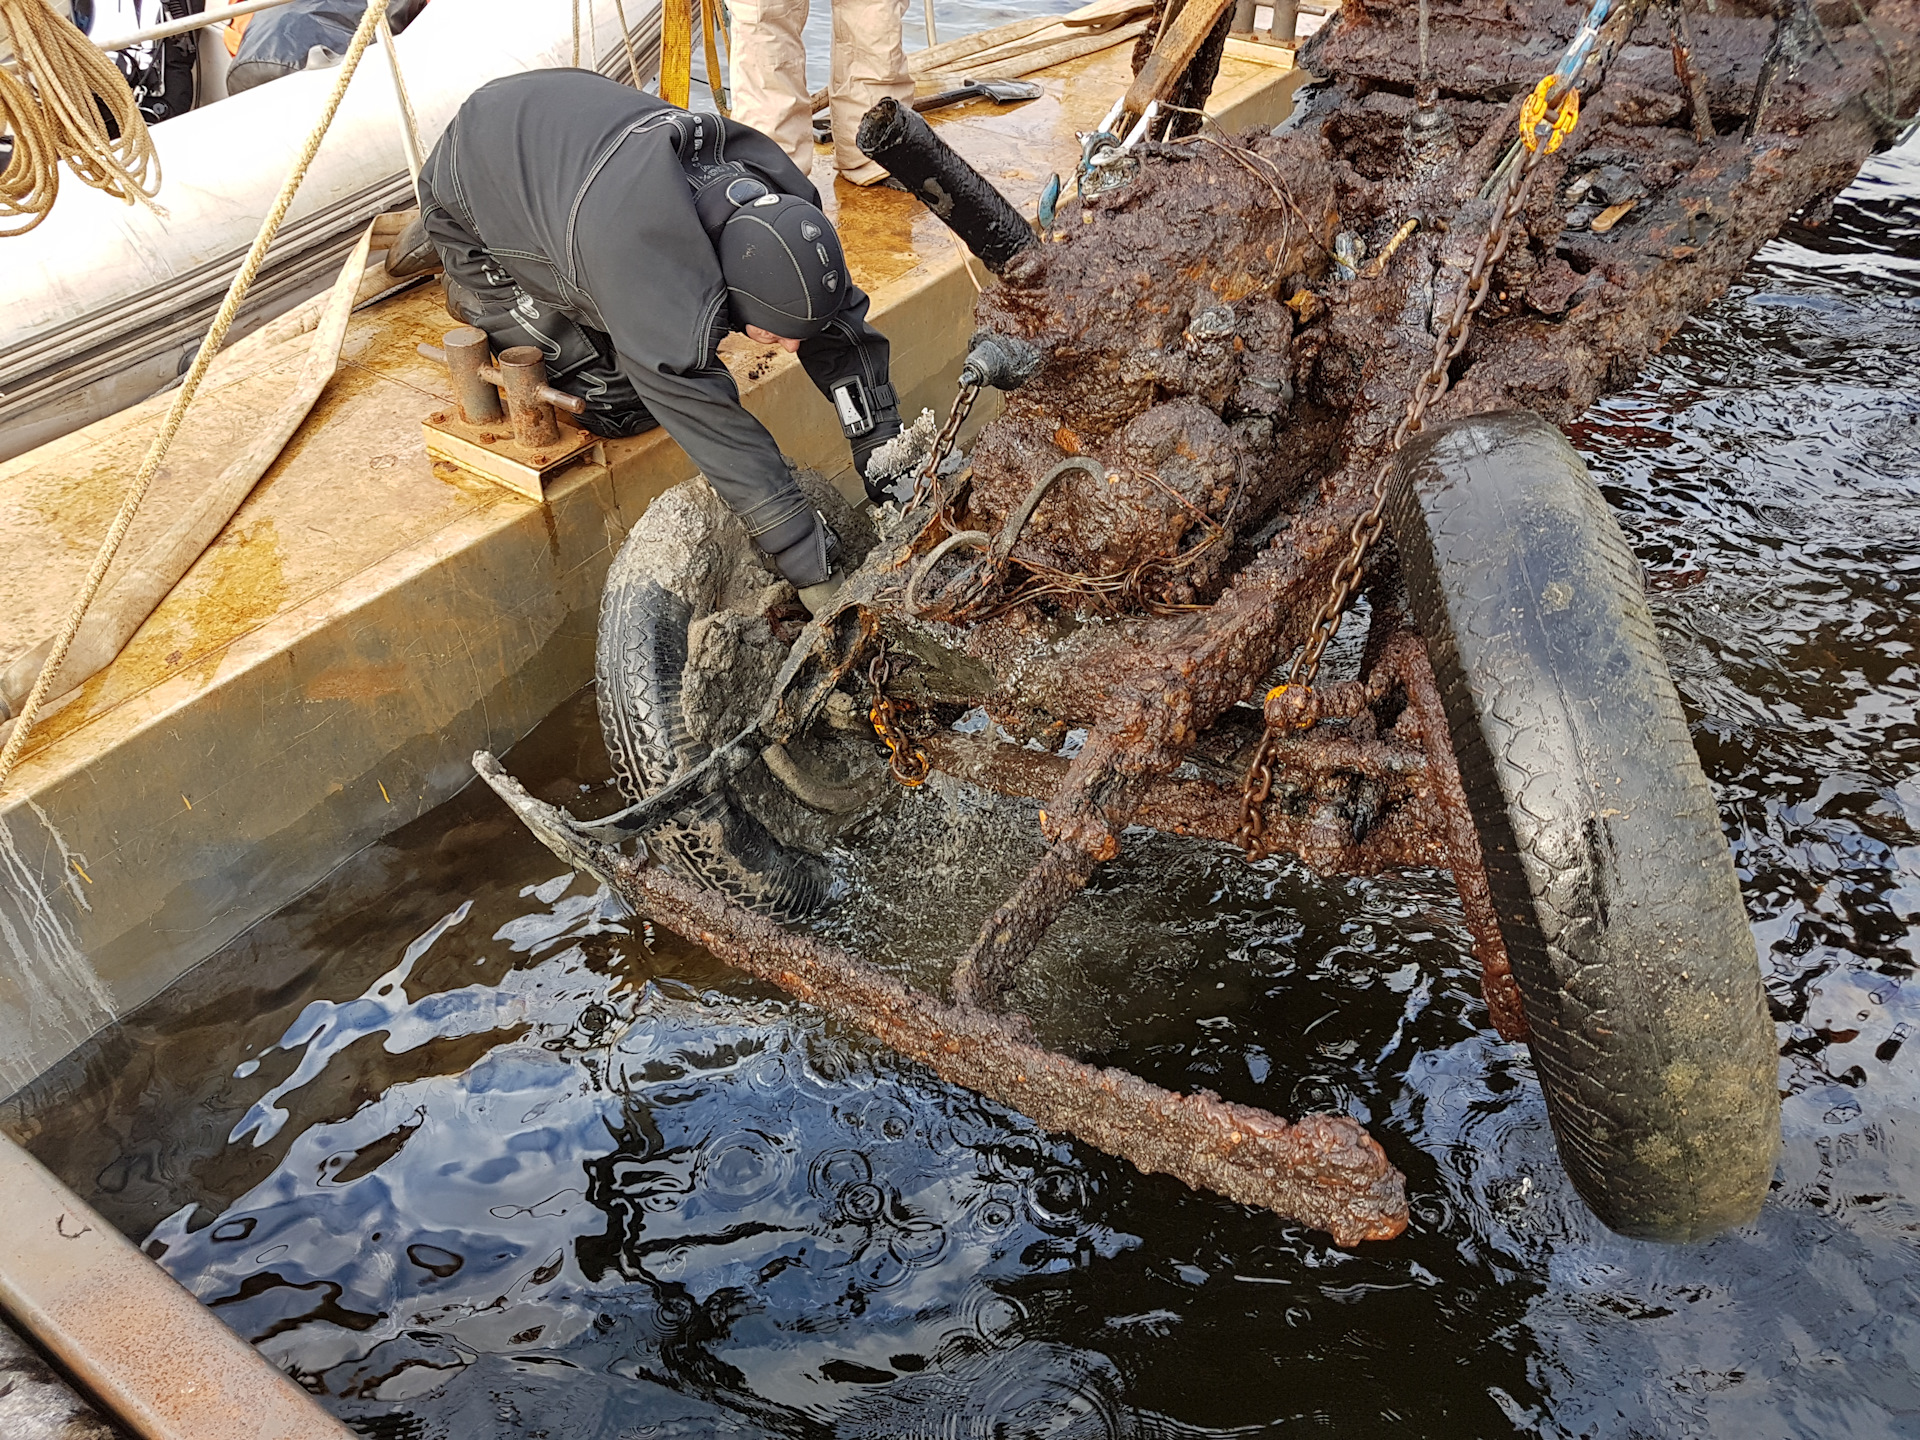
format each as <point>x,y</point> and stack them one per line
<point>676,51</point>
<point>711,28</point>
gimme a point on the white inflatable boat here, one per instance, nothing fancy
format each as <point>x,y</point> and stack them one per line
<point>107,301</point>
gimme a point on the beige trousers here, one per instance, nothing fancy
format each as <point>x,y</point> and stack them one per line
<point>769,72</point>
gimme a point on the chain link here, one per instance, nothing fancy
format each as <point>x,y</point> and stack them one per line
<point>943,442</point>
<point>907,762</point>
<point>1281,713</point>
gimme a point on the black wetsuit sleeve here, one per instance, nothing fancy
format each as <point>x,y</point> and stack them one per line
<point>849,346</point>
<point>653,282</point>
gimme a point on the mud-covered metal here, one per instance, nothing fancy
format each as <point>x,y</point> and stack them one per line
<point>1323,1170</point>
<point>1151,528</point>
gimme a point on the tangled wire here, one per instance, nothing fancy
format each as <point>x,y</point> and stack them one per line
<point>64,100</point>
<point>986,589</point>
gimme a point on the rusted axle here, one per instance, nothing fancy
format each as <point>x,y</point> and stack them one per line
<point>1323,1170</point>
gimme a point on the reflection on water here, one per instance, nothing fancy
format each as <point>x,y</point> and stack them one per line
<point>475,1154</point>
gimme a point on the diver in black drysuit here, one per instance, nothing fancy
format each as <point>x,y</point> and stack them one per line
<point>625,237</point>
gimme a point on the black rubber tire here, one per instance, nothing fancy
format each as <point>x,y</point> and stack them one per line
<point>1616,895</point>
<point>656,588</point>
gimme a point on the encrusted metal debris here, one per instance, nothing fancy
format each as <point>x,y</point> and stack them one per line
<point>1150,529</point>
<point>1324,1170</point>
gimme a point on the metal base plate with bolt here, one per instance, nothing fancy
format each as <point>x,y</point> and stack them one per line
<point>517,444</point>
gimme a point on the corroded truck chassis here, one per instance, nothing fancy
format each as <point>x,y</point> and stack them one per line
<point>1235,396</point>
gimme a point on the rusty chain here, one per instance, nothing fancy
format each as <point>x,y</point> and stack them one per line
<point>943,442</point>
<point>1291,705</point>
<point>907,762</point>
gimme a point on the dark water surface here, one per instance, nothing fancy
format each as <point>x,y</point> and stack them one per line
<point>476,1156</point>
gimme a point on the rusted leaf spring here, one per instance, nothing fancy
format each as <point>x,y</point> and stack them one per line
<point>1201,810</point>
<point>1323,1170</point>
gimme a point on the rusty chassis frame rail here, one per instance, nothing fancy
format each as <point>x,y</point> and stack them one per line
<point>1324,1170</point>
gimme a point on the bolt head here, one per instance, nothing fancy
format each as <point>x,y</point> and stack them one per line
<point>541,459</point>
<point>439,417</point>
<point>487,437</point>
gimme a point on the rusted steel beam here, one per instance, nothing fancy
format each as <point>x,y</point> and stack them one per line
<point>160,1362</point>
<point>1322,1170</point>
<point>36,1403</point>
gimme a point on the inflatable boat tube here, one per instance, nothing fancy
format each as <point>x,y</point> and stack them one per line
<point>282,42</point>
<point>687,579</point>
<point>109,301</point>
<point>1616,895</point>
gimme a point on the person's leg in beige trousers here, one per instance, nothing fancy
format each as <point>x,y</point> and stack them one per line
<point>769,73</point>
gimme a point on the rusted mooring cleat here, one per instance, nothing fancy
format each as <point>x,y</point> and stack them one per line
<point>518,444</point>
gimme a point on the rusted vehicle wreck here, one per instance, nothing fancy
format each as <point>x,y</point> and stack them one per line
<point>1249,381</point>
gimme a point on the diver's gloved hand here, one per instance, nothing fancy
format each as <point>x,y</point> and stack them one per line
<point>805,562</point>
<point>812,566</point>
<point>882,478</point>
<point>817,597</point>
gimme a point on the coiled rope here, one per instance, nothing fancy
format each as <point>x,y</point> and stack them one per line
<point>183,397</point>
<point>67,103</point>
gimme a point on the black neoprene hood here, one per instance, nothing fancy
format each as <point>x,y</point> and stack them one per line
<point>783,265</point>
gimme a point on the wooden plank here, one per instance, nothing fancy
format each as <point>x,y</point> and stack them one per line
<point>451,439</point>
<point>944,59</point>
<point>1260,52</point>
<point>1176,48</point>
<point>1016,66</point>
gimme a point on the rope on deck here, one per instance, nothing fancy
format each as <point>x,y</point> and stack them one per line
<point>374,19</point>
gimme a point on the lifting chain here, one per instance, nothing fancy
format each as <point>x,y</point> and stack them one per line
<point>1292,706</point>
<point>907,762</point>
<point>943,442</point>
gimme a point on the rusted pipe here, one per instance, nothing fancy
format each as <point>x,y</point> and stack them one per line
<point>1322,1170</point>
<point>465,354</point>
<point>158,1360</point>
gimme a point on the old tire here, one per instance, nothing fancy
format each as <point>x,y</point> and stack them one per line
<point>1616,895</point>
<point>684,559</point>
